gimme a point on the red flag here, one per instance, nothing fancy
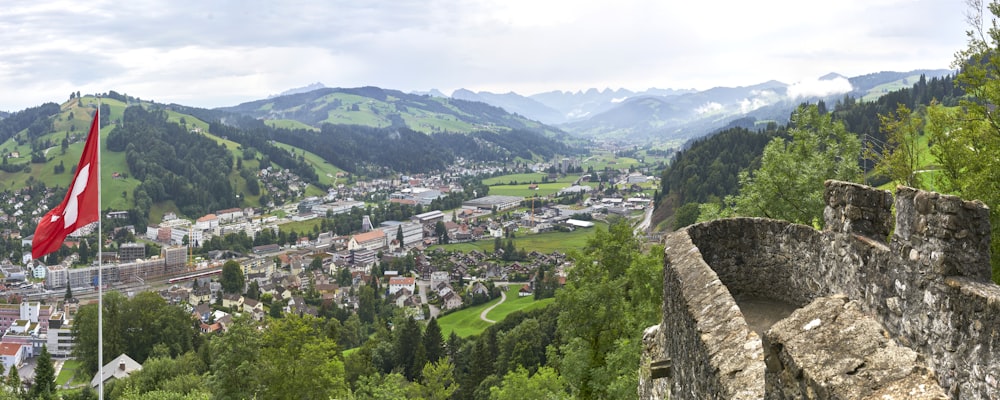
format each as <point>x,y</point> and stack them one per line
<point>79,208</point>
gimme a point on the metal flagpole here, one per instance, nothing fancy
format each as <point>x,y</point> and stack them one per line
<point>100,263</point>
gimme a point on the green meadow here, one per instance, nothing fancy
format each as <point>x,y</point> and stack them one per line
<point>466,322</point>
<point>545,242</point>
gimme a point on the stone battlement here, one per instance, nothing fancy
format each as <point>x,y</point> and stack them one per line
<point>918,287</point>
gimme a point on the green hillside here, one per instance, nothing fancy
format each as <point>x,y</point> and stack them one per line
<point>880,90</point>
<point>73,122</point>
<point>381,108</point>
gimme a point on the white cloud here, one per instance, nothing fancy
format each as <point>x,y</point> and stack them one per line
<point>747,105</point>
<point>210,53</point>
<point>819,88</point>
<point>709,107</point>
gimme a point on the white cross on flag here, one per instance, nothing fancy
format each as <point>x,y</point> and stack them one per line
<point>79,208</point>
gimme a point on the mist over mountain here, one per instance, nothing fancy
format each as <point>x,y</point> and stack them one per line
<point>670,114</point>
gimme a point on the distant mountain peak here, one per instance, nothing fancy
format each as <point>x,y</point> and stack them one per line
<point>432,93</point>
<point>831,76</point>
<point>305,89</point>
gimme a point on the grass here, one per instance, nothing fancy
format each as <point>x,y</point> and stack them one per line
<point>885,88</point>
<point>327,172</point>
<point>500,185</point>
<point>546,242</point>
<point>521,190</point>
<point>300,227</point>
<point>515,303</point>
<point>465,322</point>
<point>603,159</point>
<point>519,178</point>
<point>69,369</point>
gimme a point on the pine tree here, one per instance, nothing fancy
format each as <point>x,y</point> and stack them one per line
<point>45,379</point>
<point>433,342</point>
<point>14,380</point>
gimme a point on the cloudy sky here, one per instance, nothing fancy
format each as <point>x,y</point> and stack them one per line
<point>213,53</point>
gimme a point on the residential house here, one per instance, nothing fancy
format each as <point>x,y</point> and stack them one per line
<point>200,294</point>
<point>232,301</point>
<point>438,277</point>
<point>203,312</point>
<point>451,301</point>
<point>119,368</point>
<point>401,282</point>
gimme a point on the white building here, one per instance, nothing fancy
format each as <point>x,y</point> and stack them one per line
<point>413,233</point>
<point>12,354</point>
<point>397,283</point>
<point>210,221</point>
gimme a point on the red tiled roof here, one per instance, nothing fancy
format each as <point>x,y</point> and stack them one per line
<point>9,349</point>
<point>364,237</point>
<point>401,280</point>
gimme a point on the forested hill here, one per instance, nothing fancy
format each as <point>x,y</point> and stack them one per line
<point>384,108</point>
<point>173,163</point>
<point>708,168</point>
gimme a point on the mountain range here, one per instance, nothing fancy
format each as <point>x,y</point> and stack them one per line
<point>657,115</point>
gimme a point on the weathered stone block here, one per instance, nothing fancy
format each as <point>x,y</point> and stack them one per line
<point>829,349</point>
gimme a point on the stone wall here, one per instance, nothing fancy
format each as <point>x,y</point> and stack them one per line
<point>927,285</point>
<point>713,353</point>
<point>830,349</point>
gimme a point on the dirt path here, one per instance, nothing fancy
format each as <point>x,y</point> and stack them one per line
<point>482,315</point>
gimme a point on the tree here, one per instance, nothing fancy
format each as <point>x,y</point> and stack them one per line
<point>381,387</point>
<point>685,215</point>
<point>276,309</point>
<point>14,380</point>
<point>966,141</point>
<point>441,232</point>
<point>298,361</point>
<point>44,386</point>
<point>438,381</point>
<point>366,304</point>
<point>316,263</point>
<point>133,327</point>
<point>232,279</point>
<point>789,183</point>
<point>433,341</point>
<point>899,157</point>
<point>85,331</point>
<point>69,293</point>
<point>409,350</point>
<point>521,347</point>
<point>399,235</point>
<point>543,384</point>
<point>611,295</point>
<point>235,357</point>
<point>253,290</point>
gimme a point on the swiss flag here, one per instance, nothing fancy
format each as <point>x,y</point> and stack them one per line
<point>81,205</point>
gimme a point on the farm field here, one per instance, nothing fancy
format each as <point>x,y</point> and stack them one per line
<point>522,190</point>
<point>546,242</point>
